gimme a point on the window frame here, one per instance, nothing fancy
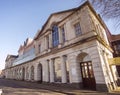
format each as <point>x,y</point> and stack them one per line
<point>62,29</point>
<point>39,48</point>
<point>77,29</point>
<point>55,36</point>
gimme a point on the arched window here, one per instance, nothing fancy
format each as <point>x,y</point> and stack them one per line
<point>55,36</point>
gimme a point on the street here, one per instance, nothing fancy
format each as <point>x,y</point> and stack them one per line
<point>14,87</point>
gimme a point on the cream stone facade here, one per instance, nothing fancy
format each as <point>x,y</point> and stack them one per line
<point>71,49</point>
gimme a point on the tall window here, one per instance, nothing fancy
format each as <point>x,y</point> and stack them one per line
<point>63,34</point>
<point>77,29</point>
<point>39,48</point>
<point>55,36</point>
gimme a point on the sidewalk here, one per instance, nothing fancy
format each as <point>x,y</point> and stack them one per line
<point>26,87</point>
<point>68,91</point>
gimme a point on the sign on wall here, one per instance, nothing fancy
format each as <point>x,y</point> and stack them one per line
<point>114,61</point>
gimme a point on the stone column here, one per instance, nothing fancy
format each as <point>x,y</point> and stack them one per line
<point>65,29</point>
<point>60,36</point>
<point>63,69</point>
<point>25,73</point>
<point>19,74</point>
<point>36,73</point>
<point>51,70</point>
<point>50,40</point>
<point>29,71</point>
<point>46,42</point>
<point>47,71</point>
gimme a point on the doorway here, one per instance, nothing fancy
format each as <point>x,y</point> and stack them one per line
<point>88,75</point>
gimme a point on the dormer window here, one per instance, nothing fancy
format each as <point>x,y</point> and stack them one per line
<point>55,36</point>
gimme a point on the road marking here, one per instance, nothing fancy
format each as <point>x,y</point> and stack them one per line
<point>0,91</point>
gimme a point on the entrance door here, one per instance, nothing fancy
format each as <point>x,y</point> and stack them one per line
<point>88,75</point>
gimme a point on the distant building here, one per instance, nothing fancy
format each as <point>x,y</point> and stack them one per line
<point>116,47</point>
<point>26,52</point>
<point>10,60</point>
<point>72,48</point>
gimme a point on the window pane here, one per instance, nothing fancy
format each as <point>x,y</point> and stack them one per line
<point>83,72</point>
<point>77,29</point>
<point>63,34</point>
<point>39,48</point>
<point>86,71</point>
<point>55,36</point>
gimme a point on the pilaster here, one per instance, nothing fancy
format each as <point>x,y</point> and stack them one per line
<point>51,70</point>
<point>63,69</point>
<point>50,40</point>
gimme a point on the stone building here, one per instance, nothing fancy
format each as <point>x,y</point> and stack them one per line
<point>71,49</point>
<point>9,60</point>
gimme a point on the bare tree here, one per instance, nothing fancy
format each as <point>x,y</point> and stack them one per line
<point>108,9</point>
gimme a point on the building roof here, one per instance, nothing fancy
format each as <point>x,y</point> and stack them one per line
<point>73,10</point>
<point>53,14</point>
<point>65,11</point>
<point>115,38</point>
<point>27,43</point>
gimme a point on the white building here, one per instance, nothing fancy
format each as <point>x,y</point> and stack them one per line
<point>71,49</point>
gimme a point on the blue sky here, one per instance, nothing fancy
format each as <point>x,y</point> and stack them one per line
<point>20,19</point>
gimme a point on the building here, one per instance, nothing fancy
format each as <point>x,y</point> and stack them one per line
<point>9,63</point>
<point>72,48</point>
<point>9,60</point>
<point>116,47</point>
